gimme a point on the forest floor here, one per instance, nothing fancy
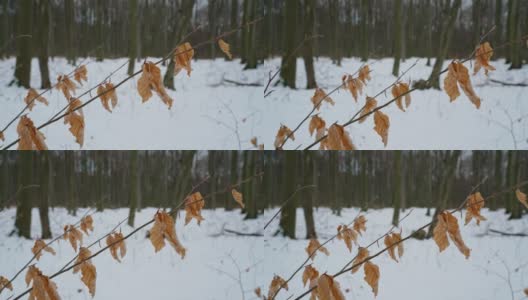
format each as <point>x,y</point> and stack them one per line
<point>497,268</point>
<point>210,113</point>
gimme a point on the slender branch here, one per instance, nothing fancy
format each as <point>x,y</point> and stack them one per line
<point>288,200</point>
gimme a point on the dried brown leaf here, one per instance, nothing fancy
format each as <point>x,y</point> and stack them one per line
<point>364,74</point>
<point>328,288</point>
<point>39,247</point>
<point>30,137</point>
<point>107,94</point>
<point>66,86</point>
<point>457,71</point>
<point>348,235</point>
<point>5,283</point>
<point>372,275</point>
<point>363,254</point>
<point>339,139</point>
<point>382,126</point>
<point>225,48</point>
<point>164,229</point>
<point>117,245</point>
<point>370,105</point>
<point>392,242</point>
<point>313,247</point>
<point>2,136</point>
<point>81,73</point>
<point>75,118</point>
<point>42,287</point>
<point>88,271</point>
<point>150,81</point>
<point>239,198</point>
<point>483,56</point>
<point>360,224</point>
<point>276,285</point>
<point>33,96</point>
<point>521,197</point>
<point>319,97</point>
<point>473,205</point>
<point>310,274</point>
<point>448,226</point>
<point>73,235</point>
<point>283,133</point>
<point>183,56</point>
<point>87,224</point>
<point>193,208</point>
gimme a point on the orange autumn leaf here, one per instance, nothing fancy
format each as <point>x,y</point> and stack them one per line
<point>164,229</point>
<point>363,254</point>
<point>370,105</point>
<point>339,139</point>
<point>254,142</point>
<point>458,75</point>
<point>258,292</point>
<point>526,292</point>
<point>309,275</point>
<point>348,235</point>
<point>360,224</point>
<point>87,224</point>
<point>283,133</point>
<point>33,96</point>
<point>448,226</point>
<point>319,97</point>
<point>66,86</point>
<point>107,94</point>
<point>116,242</point>
<point>276,284</point>
<point>372,275</point>
<point>364,74</point>
<point>39,247</point>
<point>521,197</point>
<point>193,208</point>
<point>354,85</point>
<point>75,118</point>
<point>42,286</point>
<point>225,48</point>
<point>2,136</point>
<point>5,284</point>
<point>313,247</point>
<point>392,242</point>
<point>400,92</point>
<point>88,271</point>
<point>328,288</point>
<point>183,56</point>
<point>483,56</point>
<point>81,73</point>
<point>239,198</point>
<point>150,81</point>
<point>30,137</point>
<point>382,126</point>
<point>73,235</point>
<point>473,205</point>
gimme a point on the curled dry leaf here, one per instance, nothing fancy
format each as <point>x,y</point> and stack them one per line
<point>328,289</point>
<point>75,118</point>
<point>483,56</point>
<point>362,255</point>
<point>370,105</point>
<point>283,133</point>
<point>116,242</point>
<point>447,225</point>
<point>225,48</point>
<point>382,126</point>
<point>364,74</point>
<point>5,284</point>
<point>526,289</point>
<point>521,197</point>
<point>2,136</point>
<point>193,208</point>
<point>473,205</point>
<point>42,286</point>
<point>360,224</point>
<point>87,224</point>
<point>276,284</point>
<point>339,139</point>
<point>73,235</point>
<point>393,243</point>
<point>33,96</point>
<point>313,247</point>
<point>66,86</point>
<point>88,271</point>
<point>348,235</point>
<point>81,73</point>
<point>372,275</point>
<point>254,142</point>
<point>310,274</point>
<point>150,81</point>
<point>319,97</point>
<point>354,86</point>
<point>458,75</point>
<point>183,56</point>
<point>318,125</point>
<point>399,92</point>
<point>239,198</point>
<point>30,137</point>
<point>258,292</point>
<point>107,94</point>
<point>164,229</point>
<point>39,247</point>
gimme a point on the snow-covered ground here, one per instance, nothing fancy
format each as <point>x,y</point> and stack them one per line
<point>497,268</point>
<point>211,114</point>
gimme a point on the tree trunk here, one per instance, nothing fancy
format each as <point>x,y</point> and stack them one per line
<point>397,185</point>
<point>515,35</point>
<point>99,17</point>
<point>288,214</point>
<point>289,59</point>
<point>24,200</point>
<point>42,32</point>
<point>309,27</point>
<point>69,15</point>
<point>24,43</point>
<point>134,188</point>
<point>513,177</point>
<point>46,179</point>
<point>310,175</point>
<point>445,42</point>
<point>397,37</point>
<point>365,7</point>
<point>4,29</point>
<point>132,35</point>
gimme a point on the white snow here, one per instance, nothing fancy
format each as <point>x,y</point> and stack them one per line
<point>211,114</point>
<point>210,270</point>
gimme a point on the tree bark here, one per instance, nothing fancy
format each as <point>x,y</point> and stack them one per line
<point>309,27</point>
<point>24,200</point>
<point>24,43</point>
<point>134,188</point>
<point>288,214</point>
<point>397,37</point>
<point>133,35</point>
<point>289,59</point>
<point>46,179</point>
<point>397,185</point>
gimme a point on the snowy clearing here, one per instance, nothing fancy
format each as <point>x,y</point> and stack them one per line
<point>215,258</point>
<point>211,114</point>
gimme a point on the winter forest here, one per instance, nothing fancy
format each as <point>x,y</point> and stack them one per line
<point>263,149</point>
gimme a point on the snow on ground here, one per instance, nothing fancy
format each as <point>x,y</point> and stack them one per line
<point>211,114</point>
<point>210,269</point>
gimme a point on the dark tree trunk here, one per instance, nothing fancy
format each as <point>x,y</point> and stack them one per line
<point>309,27</point>
<point>42,32</point>
<point>289,59</point>
<point>69,15</point>
<point>397,185</point>
<point>24,199</point>
<point>24,43</point>
<point>134,188</point>
<point>46,179</point>
<point>133,35</point>
<point>397,37</point>
<point>288,214</point>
